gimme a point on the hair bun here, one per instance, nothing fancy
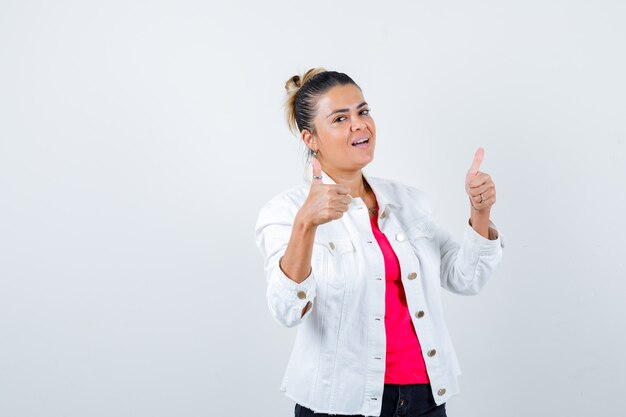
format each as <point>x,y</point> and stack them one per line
<point>297,86</point>
<point>293,84</point>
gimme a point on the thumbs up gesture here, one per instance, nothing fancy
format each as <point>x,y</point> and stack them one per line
<point>325,202</point>
<point>479,185</point>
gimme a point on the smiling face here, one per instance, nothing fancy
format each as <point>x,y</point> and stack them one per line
<point>342,122</point>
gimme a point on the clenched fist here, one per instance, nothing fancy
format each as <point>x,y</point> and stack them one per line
<point>325,202</point>
<point>479,185</point>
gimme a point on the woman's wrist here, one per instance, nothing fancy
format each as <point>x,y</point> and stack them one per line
<point>303,224</point>
<point>479,220</point>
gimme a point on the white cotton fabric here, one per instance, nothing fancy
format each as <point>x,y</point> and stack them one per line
<point>337,364</point>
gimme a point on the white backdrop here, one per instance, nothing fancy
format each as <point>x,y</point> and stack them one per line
<point>138,141</point>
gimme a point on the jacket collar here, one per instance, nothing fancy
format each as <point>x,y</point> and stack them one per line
<point>384,196</point>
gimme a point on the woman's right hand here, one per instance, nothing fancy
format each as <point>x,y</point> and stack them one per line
<point>325,202</point>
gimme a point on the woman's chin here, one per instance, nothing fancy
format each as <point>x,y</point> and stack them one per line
<point>366,159</point>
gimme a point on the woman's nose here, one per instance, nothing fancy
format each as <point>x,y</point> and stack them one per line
<point>357,124</point>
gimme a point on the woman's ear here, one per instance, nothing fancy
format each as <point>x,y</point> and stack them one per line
<point>309,139</point>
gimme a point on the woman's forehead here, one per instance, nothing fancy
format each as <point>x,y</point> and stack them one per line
<point>340,97</point>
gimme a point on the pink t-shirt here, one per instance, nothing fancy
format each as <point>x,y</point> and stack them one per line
<point>404,362</point>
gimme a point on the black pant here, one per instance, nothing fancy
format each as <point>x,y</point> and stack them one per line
<point>398,401</point>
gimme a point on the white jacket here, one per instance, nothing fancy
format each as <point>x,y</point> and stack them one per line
<point>337,364</point>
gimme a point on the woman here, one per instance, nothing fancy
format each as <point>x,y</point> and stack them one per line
<point>357,263</point>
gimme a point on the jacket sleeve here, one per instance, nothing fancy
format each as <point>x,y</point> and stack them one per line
<point>285,298</point>
<point>466,267</point>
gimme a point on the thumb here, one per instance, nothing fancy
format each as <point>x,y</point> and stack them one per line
<point>317,171</point>
<point>478,159</point>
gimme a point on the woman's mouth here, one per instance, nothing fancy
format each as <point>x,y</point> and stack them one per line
<point>361,143</point>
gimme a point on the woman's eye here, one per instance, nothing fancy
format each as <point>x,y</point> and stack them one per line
<point>364,112</point>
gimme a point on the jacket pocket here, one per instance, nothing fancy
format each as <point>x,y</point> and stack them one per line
<point>422,228</point>
<point>422,236</point>
<point>337,261</point>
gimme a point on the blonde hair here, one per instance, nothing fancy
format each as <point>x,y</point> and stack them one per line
<point>303,93</point>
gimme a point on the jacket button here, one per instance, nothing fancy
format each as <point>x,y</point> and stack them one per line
<point>412,275</point>
<point>383,215</point>
<point>432,352</point>
<point>301,295</point>
<point>419,314</point>
<point>332,245</point>
<point>441,391</point>
<point>400,237</point>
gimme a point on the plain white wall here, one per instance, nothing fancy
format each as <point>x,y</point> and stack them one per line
<point>138,141</point>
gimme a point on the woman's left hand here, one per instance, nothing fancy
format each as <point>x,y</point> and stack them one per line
<point>479,186</point>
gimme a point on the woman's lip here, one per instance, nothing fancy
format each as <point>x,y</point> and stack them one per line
<point>361,138</point>
<point>362,146</point>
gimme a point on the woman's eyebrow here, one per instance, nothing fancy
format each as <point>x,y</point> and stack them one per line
<point>346,109</point>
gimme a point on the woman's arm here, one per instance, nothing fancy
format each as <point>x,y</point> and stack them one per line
<point>285,236</point>
<point>324,203</point>
<point>277,235</point>
<point>467,266</point>
<point>296,262</point>
<point>480,223</point>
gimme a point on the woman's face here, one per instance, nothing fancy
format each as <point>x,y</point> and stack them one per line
<point>342,120</point>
